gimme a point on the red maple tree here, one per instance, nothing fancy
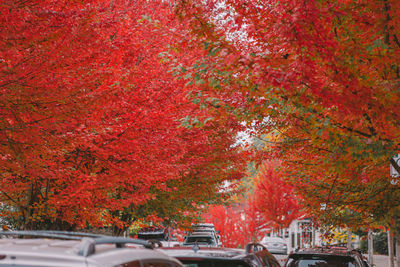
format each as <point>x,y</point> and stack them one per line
<point>94,124</point>
<point>275,198</point>
<point>239,223</point>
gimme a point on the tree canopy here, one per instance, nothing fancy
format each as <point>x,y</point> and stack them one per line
<point>319,78</point>
<point>93,122</point>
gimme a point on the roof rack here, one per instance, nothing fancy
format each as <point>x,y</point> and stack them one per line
<point>89,241</point>
<point>51,234</point>
<point>88,244</point>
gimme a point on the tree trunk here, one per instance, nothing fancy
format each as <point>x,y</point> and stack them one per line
<point>397,237</point>
<point>370,248</point>
<point>313,236</point>
<point>349,238</point>
<point>390,248</point>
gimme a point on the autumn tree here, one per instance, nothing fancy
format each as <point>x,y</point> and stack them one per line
<point>226,220</point>
<point>321,76</point>
<point>274,197</point>
<point>239,223</point>
<point>94,125</point>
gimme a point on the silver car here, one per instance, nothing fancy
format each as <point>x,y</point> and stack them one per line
<point>275,245</point>
<point>62,249</point>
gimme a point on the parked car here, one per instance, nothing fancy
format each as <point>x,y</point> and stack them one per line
<point>255,255</point>
<point>62,249</point>
<point>275,245</point>
<point>206,228</point>
<point>326,256</point>
<point>153,233</point>
<point>203,225</point>
<point>201,239</point>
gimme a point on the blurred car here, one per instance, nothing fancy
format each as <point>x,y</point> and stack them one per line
<point>206,228</point>
<point>201,239</point>
<point>157,236</point>
<point>255,255</point>
<point>275,245</point>
<point>153,233</point>
<point>326,256</point>
<point>203,225</point>
<point>70,249</point>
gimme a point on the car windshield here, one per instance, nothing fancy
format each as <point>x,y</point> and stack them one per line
<point>148,236</point>
<point>322,261</point>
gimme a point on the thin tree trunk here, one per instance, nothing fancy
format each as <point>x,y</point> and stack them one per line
<point>313,236</point>
<point>397,236</point>
<point>370,248</point>
<point>349,238</point>
<point>390,248</point>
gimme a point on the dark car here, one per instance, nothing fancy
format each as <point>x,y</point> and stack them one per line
<point>255,255</point>
<point>326,257</point>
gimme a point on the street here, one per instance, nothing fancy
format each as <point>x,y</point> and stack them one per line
<point>381,260</point>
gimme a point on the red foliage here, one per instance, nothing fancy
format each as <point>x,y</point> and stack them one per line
<point>322,76</point>
<point>238,224</point>
<point>92,118</point>
<point>274,197</point>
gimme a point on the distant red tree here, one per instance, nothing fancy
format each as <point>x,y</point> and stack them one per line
<point>228,221</point>
<point>274,197</point>
<point>238,224</point>
<point>256,224</point>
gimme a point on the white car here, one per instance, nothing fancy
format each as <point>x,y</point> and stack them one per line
<point>62,249</point>
<point>275,245</point>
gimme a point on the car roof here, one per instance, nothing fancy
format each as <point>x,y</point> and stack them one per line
<point>203,225</point>
<point>152,230</point>
<point>201,234</point>
<point>193,254</point>
<point>203,252</point>
<point>66,252</point>
<point>201,229</point>
<point>96,251</point>
<point>336,251</point>
<point>279,239</point>
<point>209,229</point>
